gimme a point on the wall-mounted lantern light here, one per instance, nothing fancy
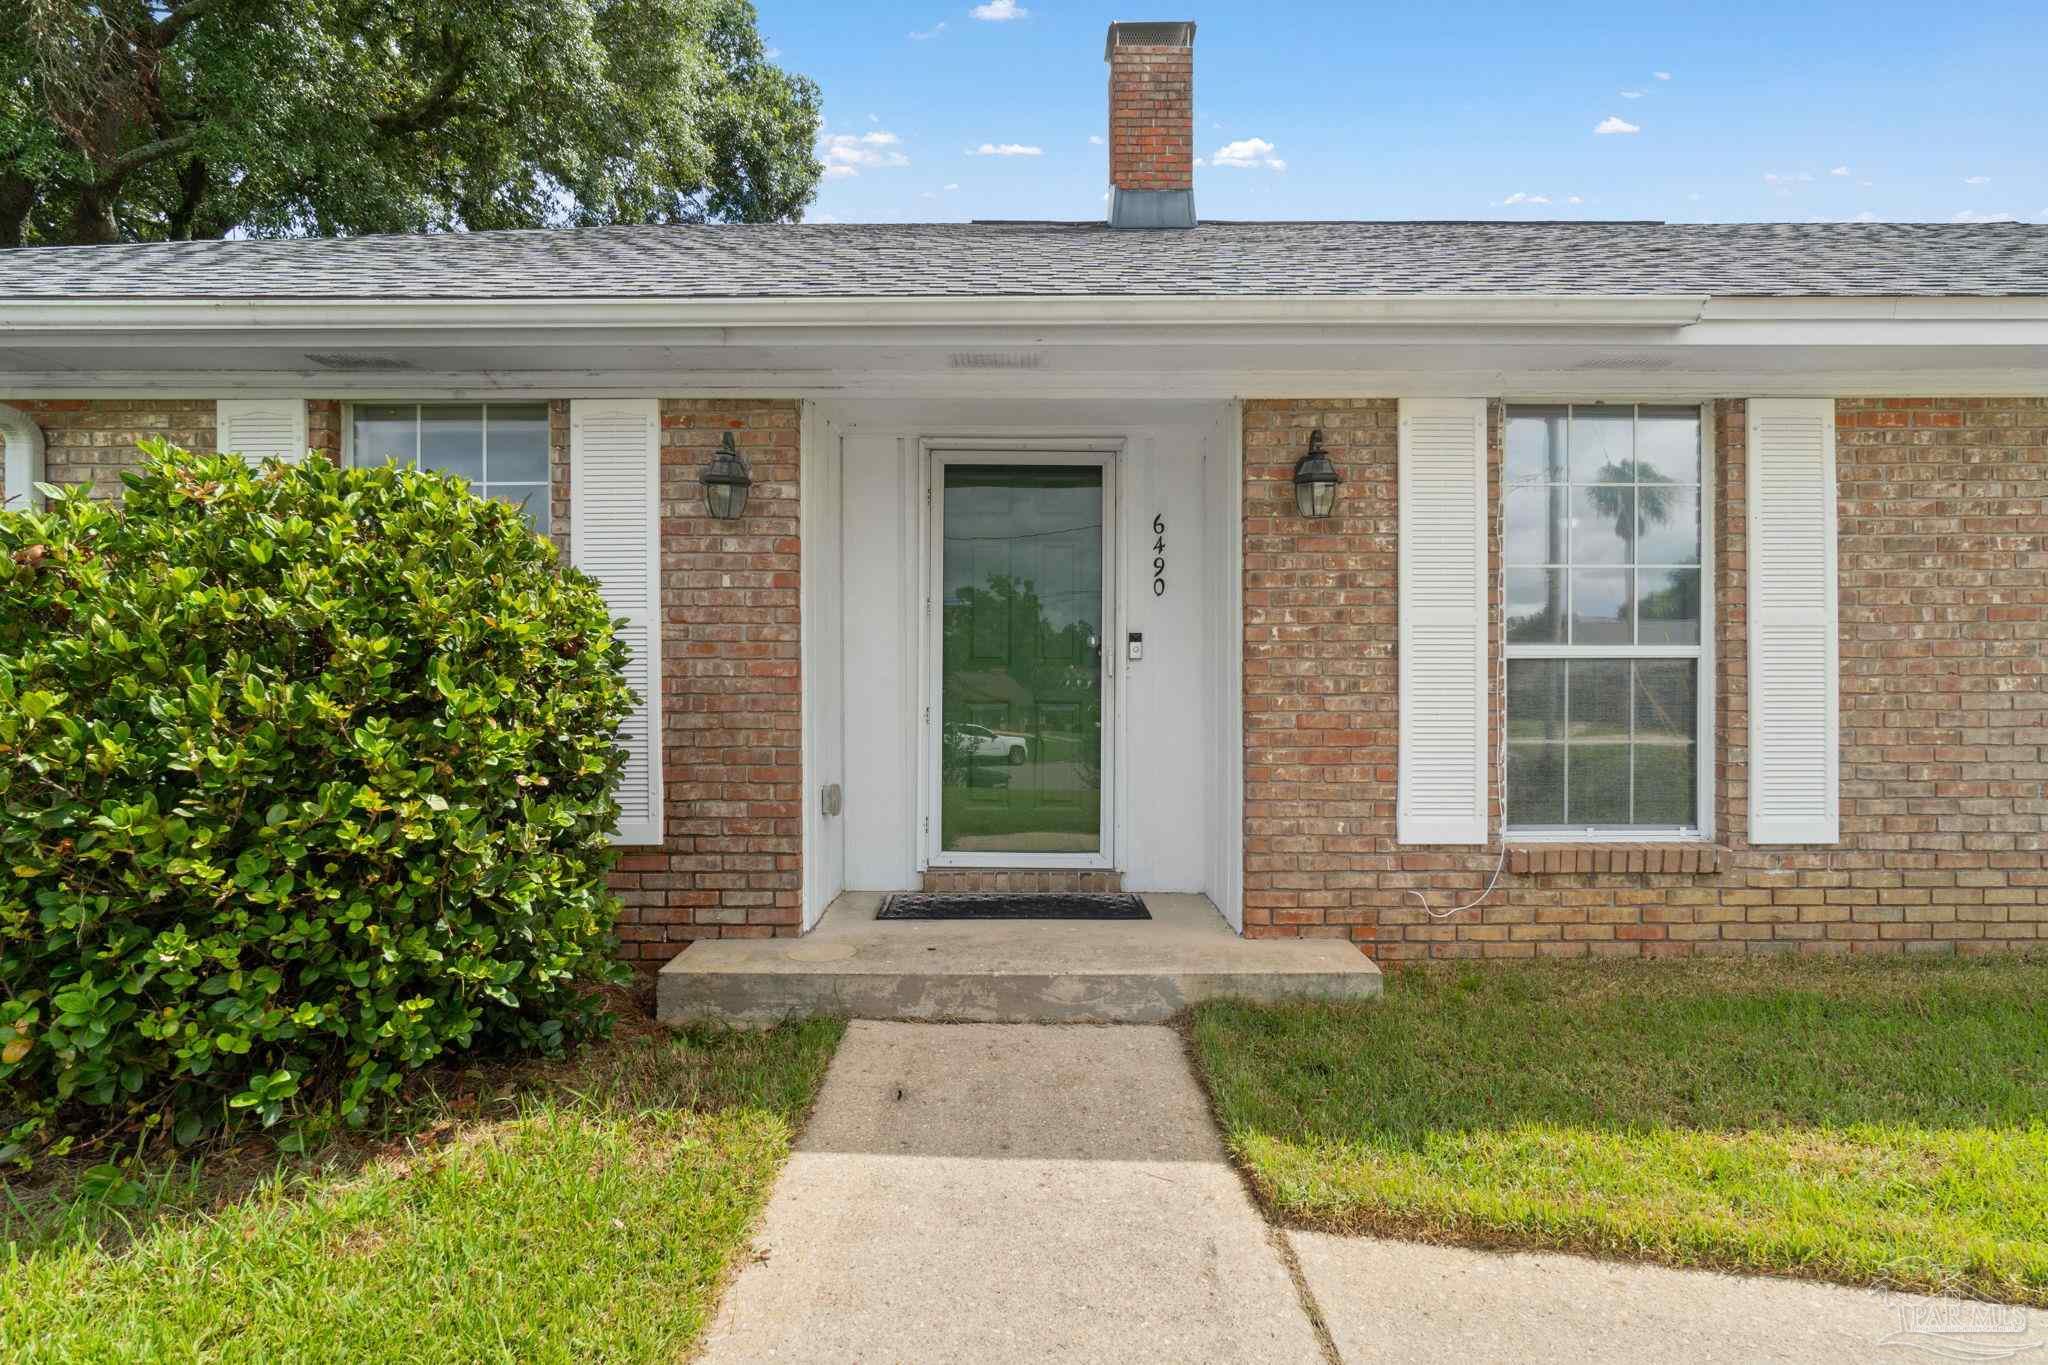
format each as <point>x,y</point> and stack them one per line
<point>1315,480</point>
<point>726,482</point>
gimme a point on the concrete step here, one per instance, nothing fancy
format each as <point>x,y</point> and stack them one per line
<point>1005,971</point>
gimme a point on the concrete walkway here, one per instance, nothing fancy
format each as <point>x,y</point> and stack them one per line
<point>1403,1301</point>
<point>1012,1192</point>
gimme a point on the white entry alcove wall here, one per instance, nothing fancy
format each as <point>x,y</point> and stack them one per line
<point>1178,713</point>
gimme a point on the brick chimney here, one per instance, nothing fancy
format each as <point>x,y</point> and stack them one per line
<point>1151,125</point>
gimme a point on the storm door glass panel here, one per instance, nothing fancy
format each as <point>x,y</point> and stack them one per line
<point>1020,767</point>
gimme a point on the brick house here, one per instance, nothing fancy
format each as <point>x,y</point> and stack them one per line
<point>1684,588</point>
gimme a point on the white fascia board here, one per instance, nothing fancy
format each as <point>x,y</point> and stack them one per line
<point>1651,322</point>
<point>1452,380</point>
<point>1989,321</point>
<point>399,317</point>
<point>1887,308</point>
<point>1930,333</point>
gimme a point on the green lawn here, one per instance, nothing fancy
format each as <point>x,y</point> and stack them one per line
<point>1867,1121</point>
<point>586,1211</point>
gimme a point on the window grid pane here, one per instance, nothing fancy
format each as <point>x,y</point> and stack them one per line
<point>1602,742</point>
<point>1625,568</point>
<point>402,431</point>
<point>387,431</point>
<point>452,439</point>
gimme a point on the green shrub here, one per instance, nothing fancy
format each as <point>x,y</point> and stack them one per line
<point>305,779</point>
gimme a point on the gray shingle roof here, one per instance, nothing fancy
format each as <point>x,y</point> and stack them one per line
<point>1048,259</point>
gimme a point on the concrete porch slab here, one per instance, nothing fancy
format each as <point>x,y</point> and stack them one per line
<point>1005,971</point>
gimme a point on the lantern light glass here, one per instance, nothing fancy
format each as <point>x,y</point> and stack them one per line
<point>726,482</point>
<point>1315,480</point>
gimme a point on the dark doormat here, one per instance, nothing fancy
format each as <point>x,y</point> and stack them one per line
<point>1007,905</point>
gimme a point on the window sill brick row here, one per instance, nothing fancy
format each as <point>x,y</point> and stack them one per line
<point>1540,860</point>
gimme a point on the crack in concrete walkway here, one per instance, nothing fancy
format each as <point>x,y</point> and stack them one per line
<point>1021,1192</point>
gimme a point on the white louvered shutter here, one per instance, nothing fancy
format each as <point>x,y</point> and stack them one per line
<point>262,428</point>
<point>1443,621</point>
<point>1794,695</point>
<point>615,537</point>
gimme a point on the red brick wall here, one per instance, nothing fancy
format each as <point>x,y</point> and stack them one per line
<point>92,440</point>
<point>732,746</point>
<point>1944,581</point>
<point>1152,118</point>
<point>323,427</point>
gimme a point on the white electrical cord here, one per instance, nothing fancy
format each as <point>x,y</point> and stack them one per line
<point>1501,587</point>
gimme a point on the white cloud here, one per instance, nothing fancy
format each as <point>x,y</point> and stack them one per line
<point>847,154</point>
<point>1864,217</point>
<point>1788,177</point>
<point>1000,11</point>
<point>934,31</point>
<point>1573,199</point>
<point>950,187</point>
<point>1611,124</point>
<point>1518,197</point>
<point>1972,216</point>
<point>1866,184</point>
<point>1248,153</point>
<point>1976,180</point>
<point>1662,75</point>
<point>1094,140</point>
<point>1839,170</point>
<point>1005,149</point>
<point>772,53</point>
<point>1633,94</point>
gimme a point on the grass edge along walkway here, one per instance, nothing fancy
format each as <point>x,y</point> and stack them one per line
<point>589,1210</point>
<point>1867,1121</point>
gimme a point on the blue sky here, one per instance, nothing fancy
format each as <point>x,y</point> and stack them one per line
<point>1791,111</point>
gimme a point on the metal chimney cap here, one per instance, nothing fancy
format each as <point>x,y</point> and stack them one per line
<point>1169,33</point>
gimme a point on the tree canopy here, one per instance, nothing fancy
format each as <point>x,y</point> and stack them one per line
<point>146,120</point>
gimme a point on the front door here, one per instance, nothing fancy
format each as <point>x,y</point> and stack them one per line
<point>1021,626</point>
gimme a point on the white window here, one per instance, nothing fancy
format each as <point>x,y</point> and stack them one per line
<point>1608,612</point>
<point>501,448</point>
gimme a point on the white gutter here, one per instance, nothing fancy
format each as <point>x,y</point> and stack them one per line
<point>36,317</point>
<point>23,440</point>
<point>1896,308</point>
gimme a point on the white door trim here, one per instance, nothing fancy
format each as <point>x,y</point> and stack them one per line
<point>936,452</point>
<point>822,637</point>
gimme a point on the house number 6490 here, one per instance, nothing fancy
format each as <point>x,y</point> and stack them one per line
<point>1159,555</point>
